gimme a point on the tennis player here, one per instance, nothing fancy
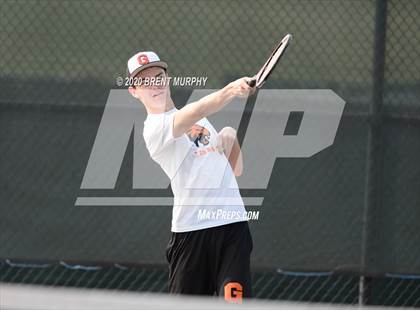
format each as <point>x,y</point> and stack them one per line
<point>209,250</point>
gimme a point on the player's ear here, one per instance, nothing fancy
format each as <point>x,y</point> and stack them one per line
<point>132,91</point>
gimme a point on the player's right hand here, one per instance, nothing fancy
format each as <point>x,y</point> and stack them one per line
<point>240,88</point>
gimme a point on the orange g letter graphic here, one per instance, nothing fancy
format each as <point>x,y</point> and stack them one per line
<point>233,292</point>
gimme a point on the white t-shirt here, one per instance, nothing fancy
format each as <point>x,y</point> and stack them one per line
<point>205,190</point>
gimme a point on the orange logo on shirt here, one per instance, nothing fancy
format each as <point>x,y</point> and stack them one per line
<point>233,292</point>
<point>200,134</point>
<point>206,150</point>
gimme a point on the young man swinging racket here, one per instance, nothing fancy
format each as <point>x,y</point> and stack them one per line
<point>207,254</point>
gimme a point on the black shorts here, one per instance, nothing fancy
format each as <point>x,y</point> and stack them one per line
<point>211,261</point>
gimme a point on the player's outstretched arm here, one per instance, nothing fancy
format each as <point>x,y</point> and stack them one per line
<point>192,113</point>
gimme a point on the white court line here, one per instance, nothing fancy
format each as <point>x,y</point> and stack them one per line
<point>32,297</point>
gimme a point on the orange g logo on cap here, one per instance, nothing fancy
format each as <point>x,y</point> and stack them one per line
<point>143,59</point>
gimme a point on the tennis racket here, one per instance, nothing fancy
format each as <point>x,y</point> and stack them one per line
<point>262,75</point>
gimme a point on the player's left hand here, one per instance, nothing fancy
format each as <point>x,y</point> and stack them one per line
<point>225,140</point>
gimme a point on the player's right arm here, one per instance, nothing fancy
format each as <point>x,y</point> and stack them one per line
<point>192,113</point>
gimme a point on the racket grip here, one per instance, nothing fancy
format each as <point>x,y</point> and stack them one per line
<point>251,82</point>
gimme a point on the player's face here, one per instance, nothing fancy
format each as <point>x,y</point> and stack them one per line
<point>153,90</point>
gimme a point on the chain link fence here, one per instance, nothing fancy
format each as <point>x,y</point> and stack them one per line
<point>340,226</point>
<point>326,287</point>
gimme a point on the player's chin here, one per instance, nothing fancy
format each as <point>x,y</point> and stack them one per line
<point>157,104</point>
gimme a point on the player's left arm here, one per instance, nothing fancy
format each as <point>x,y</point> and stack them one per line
<point>228,143</point>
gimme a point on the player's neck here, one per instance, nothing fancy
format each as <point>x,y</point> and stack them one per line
<point>168,107</point>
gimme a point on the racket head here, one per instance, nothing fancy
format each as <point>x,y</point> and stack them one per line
<point>272,61</point>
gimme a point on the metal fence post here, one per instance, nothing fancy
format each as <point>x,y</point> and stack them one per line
<point>373,185</point>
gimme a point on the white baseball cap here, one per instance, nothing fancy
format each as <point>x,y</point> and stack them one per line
<point>143,60</point>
